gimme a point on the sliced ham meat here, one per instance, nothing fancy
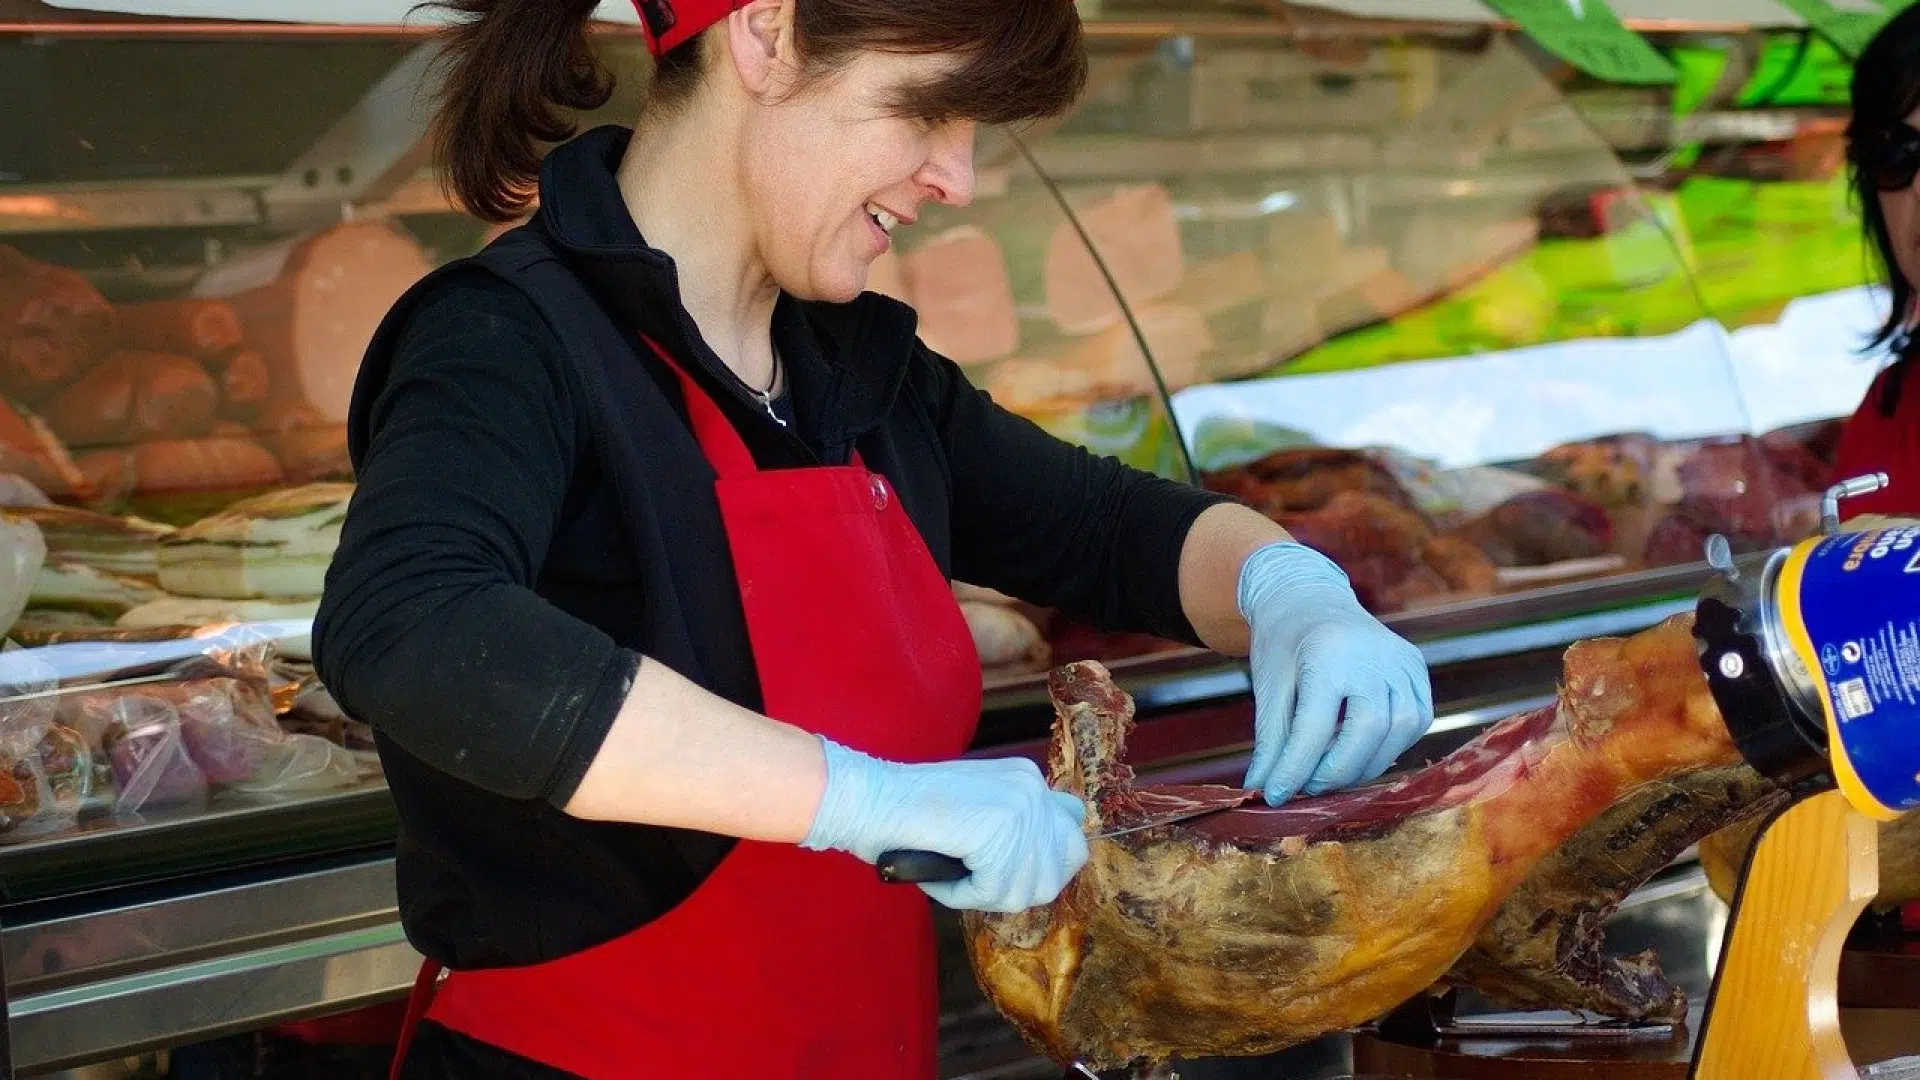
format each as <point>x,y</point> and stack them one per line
<point>958,281</point>
<point>1253,929</point>
<point>1138,239</point>
<point>311,309</point>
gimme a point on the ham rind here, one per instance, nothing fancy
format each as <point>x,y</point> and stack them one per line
<point>1544,948</point>
<point>1246,931</point>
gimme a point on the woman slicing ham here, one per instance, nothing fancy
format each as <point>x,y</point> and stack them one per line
<point>1883,145</point>
<point>645,585</point>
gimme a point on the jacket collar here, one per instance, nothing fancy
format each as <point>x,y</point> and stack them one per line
<point>845,362</point>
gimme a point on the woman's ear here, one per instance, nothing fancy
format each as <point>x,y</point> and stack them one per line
<point>761,41</point>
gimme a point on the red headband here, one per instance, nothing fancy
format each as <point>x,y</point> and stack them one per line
<point>669,23</point>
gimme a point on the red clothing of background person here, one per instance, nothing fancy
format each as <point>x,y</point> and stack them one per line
<point>1883,435</point>
<point>1883,147</point>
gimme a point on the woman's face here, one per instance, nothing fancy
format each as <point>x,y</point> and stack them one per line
<point>831,173</point>
<point>1902,210</point>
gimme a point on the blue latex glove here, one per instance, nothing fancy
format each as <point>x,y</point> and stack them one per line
<point>1315,651</point>
<point>1021,840</point>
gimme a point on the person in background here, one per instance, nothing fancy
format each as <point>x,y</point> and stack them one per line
<point>1883,148</point>
<point>645,584</point>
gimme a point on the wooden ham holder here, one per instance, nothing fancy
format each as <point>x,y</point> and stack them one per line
<point>1774,1012</point>
<point>1775,1005</point>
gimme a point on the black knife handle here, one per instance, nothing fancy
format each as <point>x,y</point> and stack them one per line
<point>915,867</point>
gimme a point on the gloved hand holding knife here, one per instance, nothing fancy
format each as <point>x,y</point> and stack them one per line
<point>1020,841</point>
<point>1338,698</point>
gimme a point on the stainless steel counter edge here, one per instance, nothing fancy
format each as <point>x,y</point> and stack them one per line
<point>153,973</point>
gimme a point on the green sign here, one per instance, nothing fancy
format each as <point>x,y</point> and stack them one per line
<point>1588,35</point>
<point>1850,31</point>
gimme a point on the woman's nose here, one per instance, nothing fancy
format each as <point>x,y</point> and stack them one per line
<point>948,172</point>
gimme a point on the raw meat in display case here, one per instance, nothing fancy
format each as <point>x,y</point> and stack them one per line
<point>1391,553</point>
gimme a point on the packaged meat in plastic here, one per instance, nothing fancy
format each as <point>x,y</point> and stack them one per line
<point>151,766</point>
<point>227,724</point>
<point>302,765</point>
<point>76,776</point>
<point>22,551</point>
<point>28,702</point>
<point>166,722</point>
<point>55,785</point>
<point>19,795</point>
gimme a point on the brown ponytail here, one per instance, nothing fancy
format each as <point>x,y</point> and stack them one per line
<point>515,71</point>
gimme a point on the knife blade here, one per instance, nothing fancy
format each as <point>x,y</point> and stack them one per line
<point>910,867</point>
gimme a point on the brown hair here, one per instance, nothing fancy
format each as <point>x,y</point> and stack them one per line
<point>516,71</point>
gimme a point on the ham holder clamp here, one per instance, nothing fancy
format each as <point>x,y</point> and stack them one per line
<point>1250,929</point>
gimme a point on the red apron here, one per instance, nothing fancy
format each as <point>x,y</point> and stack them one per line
<point>784,962</point>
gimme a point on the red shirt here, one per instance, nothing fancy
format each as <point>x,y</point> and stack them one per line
<point>1874,442</point>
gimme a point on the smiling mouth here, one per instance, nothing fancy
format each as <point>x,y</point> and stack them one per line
<point>885,220</point>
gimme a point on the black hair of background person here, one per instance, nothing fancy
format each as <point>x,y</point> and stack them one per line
<point>1886,91</point>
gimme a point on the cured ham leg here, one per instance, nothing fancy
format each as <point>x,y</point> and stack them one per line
<point>1255,928</point>
<point>1543,948</point>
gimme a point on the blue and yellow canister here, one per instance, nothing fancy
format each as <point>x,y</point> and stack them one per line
<point>1815,660</point>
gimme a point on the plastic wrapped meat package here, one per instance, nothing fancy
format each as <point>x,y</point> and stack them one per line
<point>49,775</point>
<point>106,732</point>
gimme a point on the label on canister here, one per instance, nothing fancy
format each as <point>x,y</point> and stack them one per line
<point>1850,605</point>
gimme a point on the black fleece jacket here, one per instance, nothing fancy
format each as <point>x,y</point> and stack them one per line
<point>510,553</point>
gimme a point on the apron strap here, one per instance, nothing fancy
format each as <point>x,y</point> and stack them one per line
<point>417,1004</point>
<point>725,449</point>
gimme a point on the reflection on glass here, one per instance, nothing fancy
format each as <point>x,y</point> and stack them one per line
<point>1416,307</point>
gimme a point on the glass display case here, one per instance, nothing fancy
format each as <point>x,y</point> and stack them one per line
<point>1505,341</point>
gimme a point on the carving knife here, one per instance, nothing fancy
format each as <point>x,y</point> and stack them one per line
<point>907,867</point>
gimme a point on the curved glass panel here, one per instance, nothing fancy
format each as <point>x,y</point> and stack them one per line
<point>1471,328</point>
